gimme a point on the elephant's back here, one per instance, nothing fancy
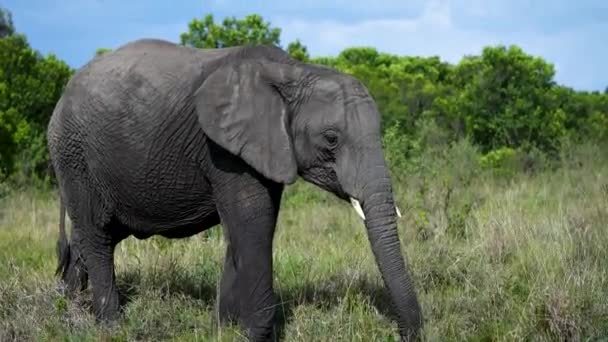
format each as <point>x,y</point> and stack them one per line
<point>126,119</point>
<point>123,96</point>
<point>138,74</point>
<point>129,94</point>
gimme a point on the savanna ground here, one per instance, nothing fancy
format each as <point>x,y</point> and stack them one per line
<point>494,255</point>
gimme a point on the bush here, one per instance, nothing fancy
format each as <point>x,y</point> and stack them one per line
<point>4,187</point>
<point>32,165</point>
<point>507,162</point>
<point>435,174</point>
<point>502,161</point>
<point>416,150</point>
<point>396,146</point>
<point>597,126</point>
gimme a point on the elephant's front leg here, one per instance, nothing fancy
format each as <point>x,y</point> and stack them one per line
<point>248,208</point>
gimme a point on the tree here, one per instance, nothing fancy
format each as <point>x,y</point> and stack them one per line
<point>298,51</point>
<point>6,23</point>
<point>404,88</point>
<point>30,86</point>
<point>506,100</point>
<point>251,30</point>
<point>586,113</point>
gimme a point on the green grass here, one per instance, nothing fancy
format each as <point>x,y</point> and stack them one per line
<point>524,258</point>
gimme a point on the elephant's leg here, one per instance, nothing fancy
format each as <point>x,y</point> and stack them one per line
<point>75,274</point>
<point>228,302</point>
<point>98,249</point>
<point>249,208</point>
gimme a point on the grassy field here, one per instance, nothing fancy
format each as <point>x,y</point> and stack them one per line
<point>493,258</point>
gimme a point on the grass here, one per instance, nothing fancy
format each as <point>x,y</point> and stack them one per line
<point>501,259</point>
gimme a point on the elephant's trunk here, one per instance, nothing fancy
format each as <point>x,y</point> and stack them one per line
<point>381,222</point>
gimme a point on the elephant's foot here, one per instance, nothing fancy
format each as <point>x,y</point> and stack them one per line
<point>253,307</point>
<point>98,253</point>
<point>106,299</point>
<point>107,307</point>
<point>75,275</point>
<point>228,310</point>
<point>260,325</point>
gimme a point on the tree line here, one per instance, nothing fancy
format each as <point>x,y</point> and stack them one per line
<point>502,99</point>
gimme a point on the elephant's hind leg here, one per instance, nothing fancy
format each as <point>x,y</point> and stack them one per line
<point>72,267</point>
<point>96,232</point>
<point>98,249</point>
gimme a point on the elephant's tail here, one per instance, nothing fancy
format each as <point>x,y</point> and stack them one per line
<point>63,246</point>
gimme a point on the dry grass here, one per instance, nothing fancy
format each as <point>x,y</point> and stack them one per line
<point>523,259</point>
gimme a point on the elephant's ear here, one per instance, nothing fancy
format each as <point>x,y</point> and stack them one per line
<point>240,109</point>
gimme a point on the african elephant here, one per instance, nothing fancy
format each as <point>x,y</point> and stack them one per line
<point>157,138</point>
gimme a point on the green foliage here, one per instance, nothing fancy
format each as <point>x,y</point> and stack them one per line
<point>298,51</point>
<point>4,186</point>
<point>597,125</point>
<point>499,158</point>
<point>506,100</point>
<point>501,100</point>
<point>251,30</point>
<point>205,33</point>
<point>587,113</point>
<point>6,23</point>
<point>30,86</point>
<point>507,162</point>
<point>405,88</point>
<point>396,147</point>
<point>101,51</point>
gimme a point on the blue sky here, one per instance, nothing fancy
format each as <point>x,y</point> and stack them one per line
<point>573,35</point>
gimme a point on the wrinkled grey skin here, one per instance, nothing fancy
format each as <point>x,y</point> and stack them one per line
<point>155,138</point>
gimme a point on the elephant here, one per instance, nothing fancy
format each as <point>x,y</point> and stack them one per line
<point>157,138</point>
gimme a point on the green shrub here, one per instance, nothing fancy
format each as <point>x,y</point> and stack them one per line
<point>4,187</point>
<point>502,161</point>
<point>508,162</point>
<point>32,165</point>
<point>435,182</point>
<point>597,124</point>
<point>396,146</point>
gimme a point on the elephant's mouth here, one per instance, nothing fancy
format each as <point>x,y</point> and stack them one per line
<point>326,179</point>
<point>319,176</point>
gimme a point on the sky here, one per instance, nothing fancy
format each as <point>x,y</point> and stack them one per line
<point>572,35</point>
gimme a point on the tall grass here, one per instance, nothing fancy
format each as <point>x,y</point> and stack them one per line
<point>494,255</point>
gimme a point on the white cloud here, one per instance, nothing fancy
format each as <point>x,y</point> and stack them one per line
<point>431,33</point>
<point>435,33</point>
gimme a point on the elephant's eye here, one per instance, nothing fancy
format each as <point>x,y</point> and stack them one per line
<point>331,137</point>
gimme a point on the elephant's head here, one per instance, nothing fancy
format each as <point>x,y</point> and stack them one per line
<point>286,118</point>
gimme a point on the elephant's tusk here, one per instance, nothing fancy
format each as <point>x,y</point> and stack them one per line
<point>357,207</point>
<point>359,211</point>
